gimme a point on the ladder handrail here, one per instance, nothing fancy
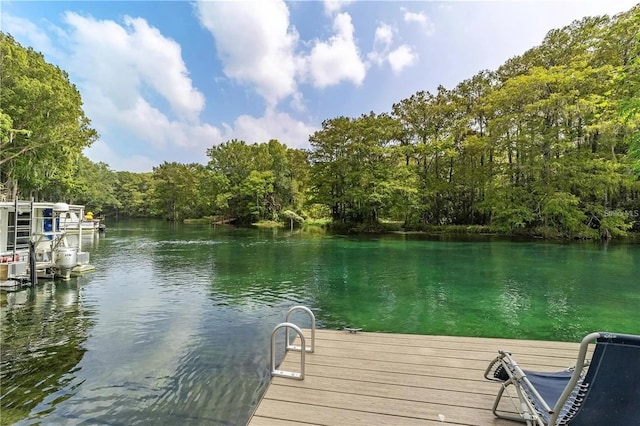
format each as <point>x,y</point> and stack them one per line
<point>282,373</point>
<point>311,348</point>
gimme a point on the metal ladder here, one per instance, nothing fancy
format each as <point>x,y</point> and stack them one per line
<point>303,348</point>
<point>19,227</point>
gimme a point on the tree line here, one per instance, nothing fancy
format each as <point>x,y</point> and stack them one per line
<point>546,144</point>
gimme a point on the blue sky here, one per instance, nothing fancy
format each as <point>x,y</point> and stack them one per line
<point>165,80</point>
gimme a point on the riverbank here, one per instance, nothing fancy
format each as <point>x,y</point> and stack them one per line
<point>544,233</point>
<point>385,227</point>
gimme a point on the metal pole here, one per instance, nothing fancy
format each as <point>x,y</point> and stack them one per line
<point>33,274</point>
<point>15,225</point>
<point>80,221</point>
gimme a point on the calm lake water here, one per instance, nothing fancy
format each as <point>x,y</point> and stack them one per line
<point>173,327</point>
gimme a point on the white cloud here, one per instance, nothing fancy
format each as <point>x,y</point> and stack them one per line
<point>123,67</point>
<point>162,67</point>
<point>402,57</point>
<point>297,102</point>
<point>383,35</point>
<point>23,28</point>
<point>143,123</point>
<point>255,43</point>
<point>338,59</point>
<point>273,125</point>
<point>148,123</point>
<point>259,48</point>
<point>333,6</point>
<point>121,60</point>
<point>398,58</point>
<point>101,151</point>
<point>120,68</point>
<point>421,19</point>
<point>117,68</point>
<point>382,41</point>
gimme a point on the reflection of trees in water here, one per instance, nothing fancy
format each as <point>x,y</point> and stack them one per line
<point>245,267</point>
<point>43,331</point>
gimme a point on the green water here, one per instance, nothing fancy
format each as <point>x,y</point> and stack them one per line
<point>173,326</point>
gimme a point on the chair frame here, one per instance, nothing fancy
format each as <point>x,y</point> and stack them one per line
<point>528,413</point>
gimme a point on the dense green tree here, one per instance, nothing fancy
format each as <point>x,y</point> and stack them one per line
<point>544,144</point>
<point>429,134</point>
<point>329,158</point>
<point>628,81</point>
<point>300,170</point>
<point>257,192</point>
<point>134,192</point>
<point>474,164</point>
<point>234,159</point>
<point>44,128</point>
<point>93,185</point>
<point>214,192</point>
<point>176,191</point>
<point>257,181</point>
<point>352,165</point>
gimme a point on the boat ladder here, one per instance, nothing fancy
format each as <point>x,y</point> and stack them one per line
<point>302,348</point>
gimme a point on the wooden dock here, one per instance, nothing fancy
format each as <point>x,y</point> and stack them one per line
<point>398,379</point>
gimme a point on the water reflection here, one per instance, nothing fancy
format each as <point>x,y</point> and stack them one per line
<point>497,289</point>
<point>173,326</point>
<point>44,331</point>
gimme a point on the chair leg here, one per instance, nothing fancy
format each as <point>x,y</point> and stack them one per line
<point>519,418</point>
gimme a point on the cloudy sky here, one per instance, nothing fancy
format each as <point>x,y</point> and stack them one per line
<point>165,80</point>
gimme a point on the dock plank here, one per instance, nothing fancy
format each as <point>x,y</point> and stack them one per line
<point>372,378</point>
<point>424,394</point>
<point>439,357</point>
<point>377,379</point>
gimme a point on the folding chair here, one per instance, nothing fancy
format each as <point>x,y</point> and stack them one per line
<point>602,391</point>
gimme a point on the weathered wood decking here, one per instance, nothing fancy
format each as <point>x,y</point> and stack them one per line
<point>398,379</point>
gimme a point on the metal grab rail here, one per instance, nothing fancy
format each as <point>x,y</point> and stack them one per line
<point>290,347</point>
<point>282,373</point>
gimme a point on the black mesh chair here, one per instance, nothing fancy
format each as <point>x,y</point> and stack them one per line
<point>602,391</point>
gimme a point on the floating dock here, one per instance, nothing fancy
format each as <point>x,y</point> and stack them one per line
<point>398,379</point>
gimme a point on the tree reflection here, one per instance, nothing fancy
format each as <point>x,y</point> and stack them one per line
<point>42,341</point>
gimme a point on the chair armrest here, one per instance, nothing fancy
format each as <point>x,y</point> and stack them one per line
<point>575,377</point>
<point>496,370</point>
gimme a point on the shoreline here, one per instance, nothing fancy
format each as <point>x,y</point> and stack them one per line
<point>451,231</point>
